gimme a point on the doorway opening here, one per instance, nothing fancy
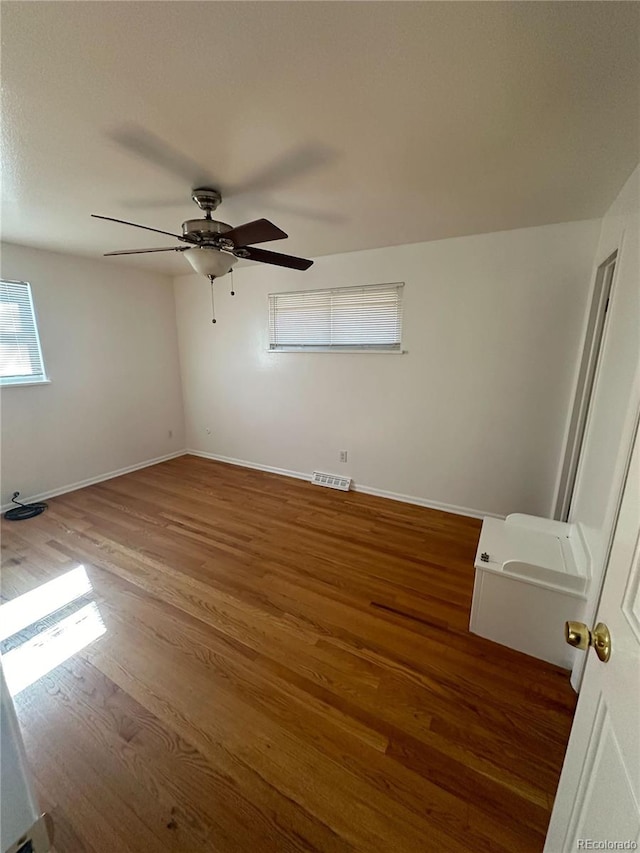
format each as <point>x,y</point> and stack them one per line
<point>594,338</point>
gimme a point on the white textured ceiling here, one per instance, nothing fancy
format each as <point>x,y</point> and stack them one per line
<point>424,120</point>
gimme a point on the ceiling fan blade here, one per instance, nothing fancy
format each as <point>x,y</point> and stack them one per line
<point>145,227</point>
<point>276,258</point>
<point>144,251</point>
<point>258,231</point>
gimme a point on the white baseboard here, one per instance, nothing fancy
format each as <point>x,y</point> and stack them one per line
<point>255,465</point>
<point>367,490</point>
<point>411,499</point>
<point>71,487</point>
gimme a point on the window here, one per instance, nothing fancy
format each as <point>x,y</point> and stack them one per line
<point>345,319</point>
<point>20,354</point>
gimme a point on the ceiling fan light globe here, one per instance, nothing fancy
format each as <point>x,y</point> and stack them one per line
<point>208,261</point>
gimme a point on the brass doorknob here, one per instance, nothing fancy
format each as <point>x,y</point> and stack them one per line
<point>577,634</point>
<point>601,641</point>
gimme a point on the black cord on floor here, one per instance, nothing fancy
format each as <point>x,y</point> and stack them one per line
<point>23,511</point>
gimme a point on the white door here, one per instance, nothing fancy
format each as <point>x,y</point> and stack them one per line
<point>598,799</point>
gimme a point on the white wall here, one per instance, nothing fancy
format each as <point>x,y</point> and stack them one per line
<point>109,343</point>
<point>472,416</point>
<point>617,391</point>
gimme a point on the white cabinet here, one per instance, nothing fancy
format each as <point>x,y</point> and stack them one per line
<point>532,575</point>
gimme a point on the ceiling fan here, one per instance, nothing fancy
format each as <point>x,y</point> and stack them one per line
<point>212,247</point>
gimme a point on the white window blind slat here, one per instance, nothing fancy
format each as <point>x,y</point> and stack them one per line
<point>20,353</point>
<point>365,318</point>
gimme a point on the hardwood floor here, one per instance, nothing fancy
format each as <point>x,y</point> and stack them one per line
<point>282,667</point>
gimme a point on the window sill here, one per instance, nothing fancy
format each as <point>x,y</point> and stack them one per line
<point>335,350</point>
<point>24,384</point>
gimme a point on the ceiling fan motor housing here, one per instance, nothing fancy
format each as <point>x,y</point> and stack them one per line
<point>205,230</point>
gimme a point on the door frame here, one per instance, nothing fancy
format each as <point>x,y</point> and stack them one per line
<point>587,376</point>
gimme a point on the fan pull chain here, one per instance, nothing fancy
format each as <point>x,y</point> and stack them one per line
<point>213,308</point>
<point>233,290</point>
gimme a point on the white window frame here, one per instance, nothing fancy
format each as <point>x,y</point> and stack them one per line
<point>389,349</point>
<point>20,380</point>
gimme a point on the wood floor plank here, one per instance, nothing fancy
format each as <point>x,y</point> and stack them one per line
<point>282,668</point>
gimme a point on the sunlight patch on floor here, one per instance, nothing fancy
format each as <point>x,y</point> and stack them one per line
<point>26,609</point>
<point>57,639</point>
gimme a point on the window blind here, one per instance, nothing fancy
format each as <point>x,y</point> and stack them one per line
<point>343,319</point>
<point>20,353</point>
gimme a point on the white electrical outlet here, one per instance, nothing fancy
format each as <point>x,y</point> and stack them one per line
<point>343,455</point>
<point>208,431</point>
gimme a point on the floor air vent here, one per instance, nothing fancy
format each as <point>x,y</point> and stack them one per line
<point>331,481</point>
